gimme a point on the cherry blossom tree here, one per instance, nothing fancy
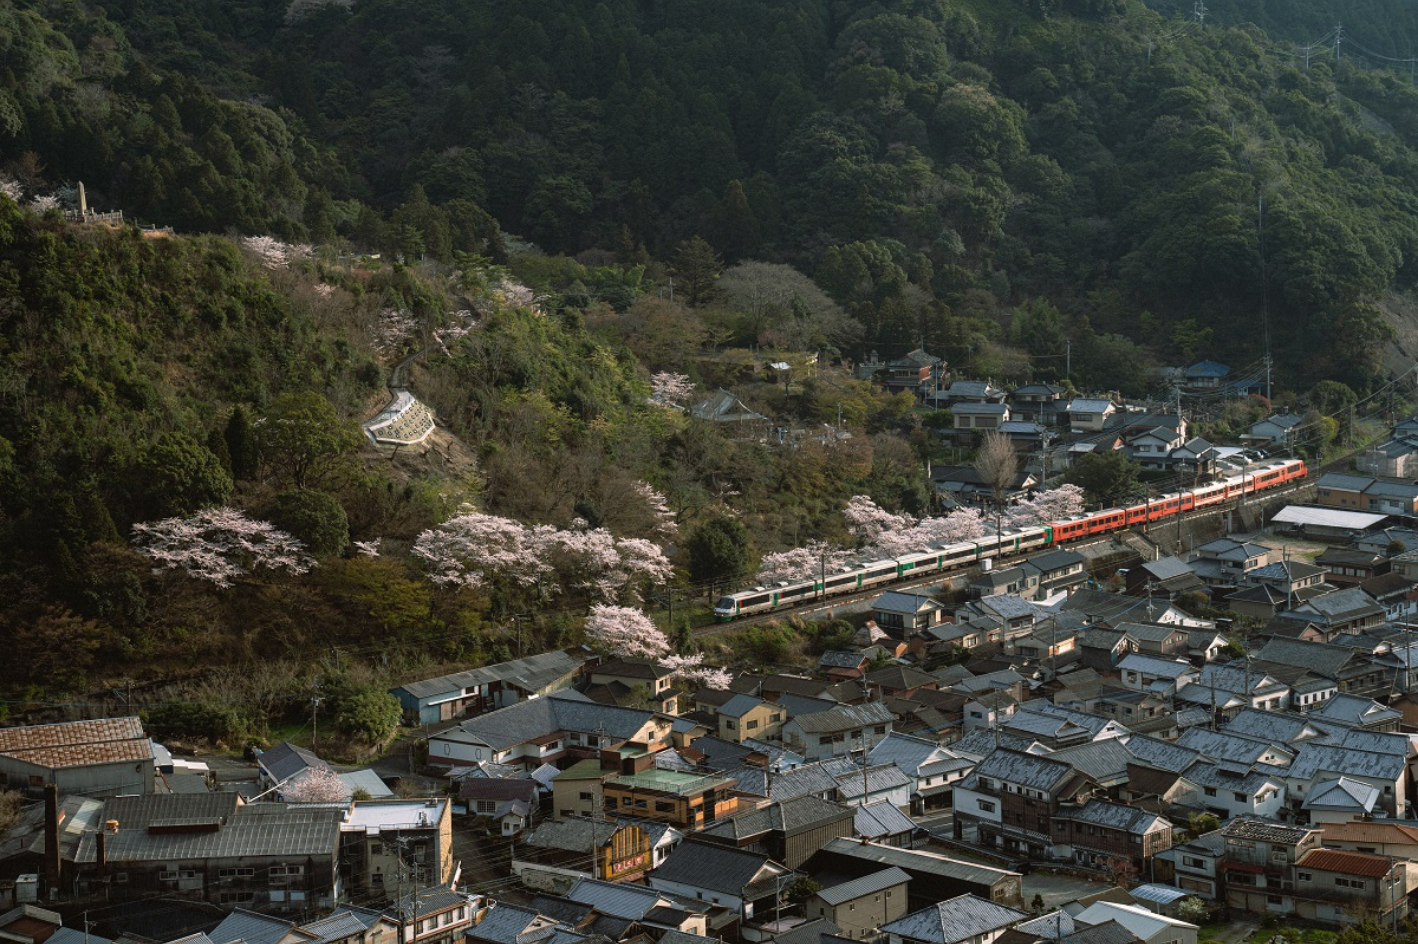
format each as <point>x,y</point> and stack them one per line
<point>218,545</point>
<point>473,548</point>
<point>1056,504</point>
<point>43,203</point>
<point>668,388</point>
<point>868,520</point>
<point>368,548</point>
<point>396,328</point>
<point>461,323</point>
<point>315,785</point>
<point>9,187</point>
<point>802,563</point>
<point>665,526</point>
<point>692,673</point>
<point>625,631</point>
<point>275,254</point>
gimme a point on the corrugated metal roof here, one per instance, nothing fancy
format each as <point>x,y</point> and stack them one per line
<point>248,927</point>
<point>532,672</point>
<point>881,819</point>
<point>866,885</point>
<point>844,717</point>
<point>1327,518</point>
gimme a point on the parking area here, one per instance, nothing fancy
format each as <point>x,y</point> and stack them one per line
<point>1058,889</point>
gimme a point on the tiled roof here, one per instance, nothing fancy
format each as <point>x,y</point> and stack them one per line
<point>711,866</point>
<point>1025,770</point>
<point>616,899</point>
<point>77,743</point>
<point>1261,830</point>
<point>844,717</point>
<point>1114,816</point>
<point>560,711</point>
<point>883,777</point>
<point>1153,665</point>
<point>881,819</point>
<point>956,919</point>
<point>1322,758</point>
<point>1342,794</point>
<point>1370,832</point>
<point>789,816</point>
<point>1348,863</point>
<point>248,927</point>
<point>866,885</point>
<point>784,785</point>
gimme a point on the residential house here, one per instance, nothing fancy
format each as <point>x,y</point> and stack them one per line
<point>1346,567</point>
<point>979,416</point>
<point>1353,711</point>
<point>621,850</point>
<point>1089,415</point>
<point>512,804</point>
<point>744,716</point>
<point>964,484</point>
<point>1268,590</point>
<point>739,880</point>
<point>438,915</point>
<point>1147,673</point>
<point>684,799</point>
<point>1257,867</point>
<point>564,726</point>
<point>1160,640</point>
<point>859,784</point>
<point>1144,925</point>
<point>917,372</point>
<point>1195,866</point>
<point>1166,575</point>
<point>346,925</point>
<point>963,392</point>
<point>1205,375</point>
<point>966,919</point>
<point>905,614</point>
<point>638,682</point>
<point>900,681</point>
<point>1317,765</point>
<point>579,790</point>
<point>788,831</point>
<point>1040,402</point>
<point>477,691</point>
<point>934,877</point>
<point>1355,672</point>
<point>1103,649</point>
<point>1053,731</point>
<point>884,822</point>
<point>1398,840</point>
<point>1346,888</point>
<point>214,847</point>
<point>103,757</point>
<point>1026,437</point>
<point>837,731</point>
<point>1009,799</point>
<point>1229,789</point>
<point>1098,831</point>
<point>383,842</point>
<point>1273,430</point>
<point>1340,800</point>
<point>933,769</point>
<point>1224,562</point>
<point>1395,457</point>
<point>1151,448</point>
<point>1228,689</point>
<point>860,906</point>
<point>1397,594</point>
<point>1059,571</point>
<point>988,711</point>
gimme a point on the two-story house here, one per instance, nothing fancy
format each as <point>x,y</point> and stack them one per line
<point>1346,888</point>
<point>1258,865</point>
<point>1147,673</point>
<point>1098,831</point>
<point>1089,415</point>
<point>747,883</point>
<point>979,416</point>
<point>1008,801</point>
<point>1040,402</point>
<point>859,906</point>
<point>643,680</point>
<point>838,731</point>
<point>746,716</point>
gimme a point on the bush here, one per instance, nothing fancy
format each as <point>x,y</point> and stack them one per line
<point>200,721</point>
<point>316,518</point>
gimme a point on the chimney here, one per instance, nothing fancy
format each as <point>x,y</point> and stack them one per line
<point>51,838</point>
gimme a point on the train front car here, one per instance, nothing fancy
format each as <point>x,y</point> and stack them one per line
<point>726,609</point>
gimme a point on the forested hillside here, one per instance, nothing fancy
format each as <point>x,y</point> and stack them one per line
<point>570,198</point>
<point>934,164</point>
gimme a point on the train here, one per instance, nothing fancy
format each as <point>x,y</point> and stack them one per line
<point>1275,473</point>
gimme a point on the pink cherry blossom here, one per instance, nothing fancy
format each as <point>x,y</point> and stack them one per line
<point>625,631</point>
<point>315,785</point>
<point>803,563</point>
<point>218,545</point>
<point>1056,504</point>
<point>668,388</point>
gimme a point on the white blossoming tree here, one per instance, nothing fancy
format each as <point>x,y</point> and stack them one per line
<point>219,545</point>
<point>868,520</point>
<point>9,187</point>
<point>1056,504</point>
<point>670,389</point>
<point>802,563</point>
<point>275,254</point>
<point>665,526</point>
<point>692,673</point>
<point>625,631</point>
<point>473,548</point>
<point>315,785</point>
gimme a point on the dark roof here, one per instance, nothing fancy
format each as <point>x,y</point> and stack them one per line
<point>531,673</point>
<point>484,788</point>
<point>633,668</point>
<point>220,829</point>
<point>956,919</point>
<point>868,884</point>
<point>788,816</point>
<point>285,760</point>
<point>712,866</point>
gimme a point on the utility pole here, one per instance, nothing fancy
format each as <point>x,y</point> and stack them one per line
<point>314,722</point>
<point>1338,39</point>
<point>518,617</point>
<point>1068,357</point>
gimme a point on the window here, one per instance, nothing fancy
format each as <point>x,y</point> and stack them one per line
<point>752,725</point>
<point>1240,798</point>
<point>36,780</point>
<point>1272,899</point>
<point>1209,791</point>
<point>1304,876</point>
<point>1193,862</point>
<point>250,872</point>
<point>487,806</point>
<point>985,805</point>
<point>879,729</point>
<point>587,795</point>
<point>662,806</point>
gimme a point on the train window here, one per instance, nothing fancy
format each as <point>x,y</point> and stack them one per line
<point>755,600</point>
<point>725,603</point>
<point>836,582</point>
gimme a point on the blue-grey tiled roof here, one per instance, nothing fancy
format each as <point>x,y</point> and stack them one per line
<point>956,919</point>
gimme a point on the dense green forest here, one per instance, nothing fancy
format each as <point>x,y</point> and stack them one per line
<point>1018,185</point>
<point>935,165</point>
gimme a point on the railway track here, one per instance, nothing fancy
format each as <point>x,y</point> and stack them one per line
<point>819,605</point>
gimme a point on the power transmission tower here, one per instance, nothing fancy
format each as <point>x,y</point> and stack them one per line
<point>1338,39</point>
